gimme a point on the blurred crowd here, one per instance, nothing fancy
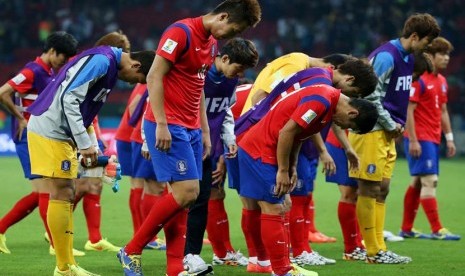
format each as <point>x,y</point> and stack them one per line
<point>314,27</point>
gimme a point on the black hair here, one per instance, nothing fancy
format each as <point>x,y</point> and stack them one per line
<point>367,115</point>
<point>62,43</point>
<point>239,11</point>
<point>241,51</point>
<point>365,77</point>
<point>337,59</point>
<point>145,58</point>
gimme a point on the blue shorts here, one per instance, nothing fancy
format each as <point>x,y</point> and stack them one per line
<point>183,161</point>
<point>427,163</point>
<point>232,166</point>
<point>23,153</point>
<point>124,151</point>
<point>257,179</point>
<point>341,177</point>
<point>141,167</point>
<point>306,173</point>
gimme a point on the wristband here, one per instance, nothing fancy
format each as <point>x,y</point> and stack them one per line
<point>449,136</point>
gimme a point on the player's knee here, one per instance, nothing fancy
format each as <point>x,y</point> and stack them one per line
<point>287,204</point>
<point>428,185</point>
<point>372,189</point>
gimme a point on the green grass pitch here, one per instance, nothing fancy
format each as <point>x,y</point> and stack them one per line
<point>30,252</point>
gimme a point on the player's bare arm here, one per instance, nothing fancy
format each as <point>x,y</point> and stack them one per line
<point>207,145</point>
<point>446,128</point>
<point>344,141</point>
<point>160,67</point>
<point>329,167</point>
<point>6,93</point>
<point>414,147</point>
<point>284,156</point>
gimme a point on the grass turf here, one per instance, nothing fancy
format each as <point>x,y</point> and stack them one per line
<point>30,252</point>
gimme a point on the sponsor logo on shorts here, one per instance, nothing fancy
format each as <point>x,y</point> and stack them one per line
<point>181,166</point>
<point>371,169</point>
<point>429,163</point>
<point>65,165</point>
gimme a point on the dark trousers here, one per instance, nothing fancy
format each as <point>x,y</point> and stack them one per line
<point>198,213</point>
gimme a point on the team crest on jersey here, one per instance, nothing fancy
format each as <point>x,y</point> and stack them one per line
<point>181,166</point>
<point>371,168</point>
<point>65,165</point>
<point>309,116</point>
<point>18,79</point>
<point>169,46</point>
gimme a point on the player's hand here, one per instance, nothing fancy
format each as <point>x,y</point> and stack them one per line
<point>451,150</point>
<point>329,167</point>
<point>220,172</point>
<point>22,124</point>
<point>89,156</point>
<point>283,183</point>
<point>293,177</point>
<point>352,158</point>
<point>232,151</point>
<point>414,149</point>
<point>163,138</point>
<point>145,151</point>
<point>393,134</point>
<point>207,144</point>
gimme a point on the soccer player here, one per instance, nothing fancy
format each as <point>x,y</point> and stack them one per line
<point>58,127</point>
<point>176,126</point>
<point>235,57</point>
<point>124,152</point>
<point>268,155</point>
<point>89,185</point>
<point>25,87</point>
<point>427,116</point>
<point>393,64</point>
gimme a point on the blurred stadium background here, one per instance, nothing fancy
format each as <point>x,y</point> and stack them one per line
<point>316,28</point>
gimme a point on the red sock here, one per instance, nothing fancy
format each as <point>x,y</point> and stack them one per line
<point>175,231</point>
<point>216,226</point>
<point>348,221</point>
<point>297,224</point>
<point>287,230</point>
<point>307,224</point>
<point>245,225</point>
<point>163,210</point>
<point>148,200</point>
<point>411,204</point>
<point>93,213</point>
<point>43,206</point>
<point>274,239</point>
<point>430,205</point>
<point>135,197</point>
<point>22,208</point>
<point>311,214</point>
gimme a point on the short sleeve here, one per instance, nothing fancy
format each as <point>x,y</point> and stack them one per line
<point>23,81</point>
<point>415,92</point>
<point>307,111</point>
<point>172,43</point>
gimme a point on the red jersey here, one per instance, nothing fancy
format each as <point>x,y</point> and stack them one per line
<point>23,84</point>
<point>191,52</point>
<point>429,93</point>
<point>311,107</point>
<point>136,135</point>
<point>125,129</point>
<point>242,93</point>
